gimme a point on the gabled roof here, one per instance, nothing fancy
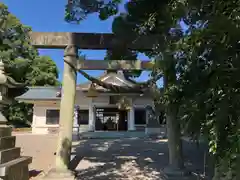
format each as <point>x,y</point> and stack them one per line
<point>48,93</point>
<point>117,79</point>
<point>44,93</point>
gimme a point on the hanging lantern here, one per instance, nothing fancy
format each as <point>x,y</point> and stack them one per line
<point>123,103</point>
<point>92,91</point>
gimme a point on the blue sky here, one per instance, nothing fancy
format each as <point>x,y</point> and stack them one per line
<point>48,15</point>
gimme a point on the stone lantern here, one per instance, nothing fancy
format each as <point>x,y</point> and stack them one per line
<point>12,164</point>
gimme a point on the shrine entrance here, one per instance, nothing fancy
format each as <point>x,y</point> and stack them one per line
<point>72,42</point>
<point>111,119</point>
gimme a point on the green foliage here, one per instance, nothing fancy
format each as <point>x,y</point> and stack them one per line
<point>201,67</point>
<point>77,10</point>
<point>22,62</point>
<point>43,71</point>
<point>209,76</point>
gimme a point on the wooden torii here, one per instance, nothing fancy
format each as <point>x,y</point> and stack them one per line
<point>71,42</point>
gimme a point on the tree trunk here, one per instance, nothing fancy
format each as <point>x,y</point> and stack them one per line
<point>173,126</point>
<point>174,138</point>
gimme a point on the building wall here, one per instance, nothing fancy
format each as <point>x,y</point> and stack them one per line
<point>39,125</point>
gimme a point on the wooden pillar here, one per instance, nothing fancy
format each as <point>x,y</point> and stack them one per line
<point>67,106</point>
<point>91,120</point>
<point>131,119</point>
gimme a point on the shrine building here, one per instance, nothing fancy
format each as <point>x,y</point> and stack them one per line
<point>100,113</point>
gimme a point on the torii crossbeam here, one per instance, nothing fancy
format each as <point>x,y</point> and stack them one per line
<point>60,40</point>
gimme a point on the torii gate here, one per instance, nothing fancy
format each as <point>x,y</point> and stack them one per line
<point>71,42</point>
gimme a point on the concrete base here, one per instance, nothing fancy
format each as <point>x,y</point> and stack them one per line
<point>76,129</point>
<point>44,129</point>
<point>75,136</point>
<point>152,130</point>
<point>55,174</point>
<point>112,135</point>
<point>159,131</point>
<point>39,130</point>
<point>156,131</point>
<point>171,173</point>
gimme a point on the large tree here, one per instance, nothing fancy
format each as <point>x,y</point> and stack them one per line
<point>146,18</point>
<point>22,61</point>
<point>200,68</point>
<point>211,80</point>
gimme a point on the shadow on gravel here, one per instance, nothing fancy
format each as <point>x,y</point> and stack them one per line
<point>99,159</point>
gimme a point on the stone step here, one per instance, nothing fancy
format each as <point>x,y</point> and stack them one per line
<point>9,154</point>
<point>5,131</point>
<point>16,169</point>
<point>7,142</point>
<point>112,134</point>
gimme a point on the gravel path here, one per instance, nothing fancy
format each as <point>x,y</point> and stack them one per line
<point>99,159</point>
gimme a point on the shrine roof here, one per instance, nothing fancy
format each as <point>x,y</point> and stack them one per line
<point>46,93</point>
<point>117,79</point>
<point>51,93</point>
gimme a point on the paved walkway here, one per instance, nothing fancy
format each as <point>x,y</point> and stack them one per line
<point>99,159</point>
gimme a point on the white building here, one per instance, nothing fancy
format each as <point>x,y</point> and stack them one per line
<point>95,114</point>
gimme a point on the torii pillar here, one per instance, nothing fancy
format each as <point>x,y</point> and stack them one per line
<point>64,144</point>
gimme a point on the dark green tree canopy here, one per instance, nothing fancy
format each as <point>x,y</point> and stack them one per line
<point>22,62</point>
<point>200,65</point>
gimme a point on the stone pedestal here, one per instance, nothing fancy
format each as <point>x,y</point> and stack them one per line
<point>12,165</point>
<point>171,173</point>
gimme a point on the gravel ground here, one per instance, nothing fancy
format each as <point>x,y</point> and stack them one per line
<point>99,159</point>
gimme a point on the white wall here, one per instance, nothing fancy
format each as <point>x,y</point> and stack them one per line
<point>39,110</point>
<point>39,125</point>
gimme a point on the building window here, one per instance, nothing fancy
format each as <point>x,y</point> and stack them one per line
<point>140,116</point>
<point>83,117</point>
<point>52,116</point>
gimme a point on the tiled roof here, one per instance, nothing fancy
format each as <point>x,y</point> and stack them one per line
<point>51,93</point>
<point>115,78</point>
<point>40,93</point>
